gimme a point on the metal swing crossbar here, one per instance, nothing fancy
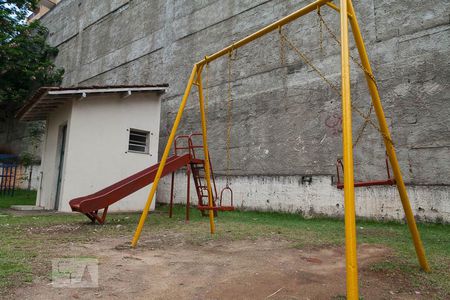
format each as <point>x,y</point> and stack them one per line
<point>347,14</point>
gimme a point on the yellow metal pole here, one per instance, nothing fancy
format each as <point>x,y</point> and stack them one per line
<point>387,142</point>
<point>349,192</point>
<point>205,149</point>
<point>163,159</point>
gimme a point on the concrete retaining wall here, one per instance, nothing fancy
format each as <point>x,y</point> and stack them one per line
<point>286,120</point>
<point>295,194</point>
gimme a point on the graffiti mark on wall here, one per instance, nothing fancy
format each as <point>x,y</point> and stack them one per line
<point>334,124</point>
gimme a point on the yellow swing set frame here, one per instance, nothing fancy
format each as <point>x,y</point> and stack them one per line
<point>347,14</point>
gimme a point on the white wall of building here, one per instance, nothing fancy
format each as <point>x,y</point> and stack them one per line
<point>97,147</point>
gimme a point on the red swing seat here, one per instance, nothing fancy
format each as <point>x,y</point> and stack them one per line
<point>340,184</point>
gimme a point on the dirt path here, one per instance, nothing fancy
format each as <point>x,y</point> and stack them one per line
<point>168,268</point>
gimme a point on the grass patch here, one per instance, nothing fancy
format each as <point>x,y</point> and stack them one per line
<point>28,243</point>
<point>21,197</point>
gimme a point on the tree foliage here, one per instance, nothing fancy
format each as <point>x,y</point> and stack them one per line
<point>26,60</point>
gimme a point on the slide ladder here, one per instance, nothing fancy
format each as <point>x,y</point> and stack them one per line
<point>197,168</point>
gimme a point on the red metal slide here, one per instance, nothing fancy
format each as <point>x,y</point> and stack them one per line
<point>91,204</point>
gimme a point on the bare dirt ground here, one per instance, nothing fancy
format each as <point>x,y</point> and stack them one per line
<point>166,267</point>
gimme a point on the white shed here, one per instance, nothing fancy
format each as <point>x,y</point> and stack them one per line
<point>95,136</point>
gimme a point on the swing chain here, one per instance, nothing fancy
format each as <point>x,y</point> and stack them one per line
<point>231,57</point>
<point>282,48</point>
<point>320,30</point>
<point>333,35</point>
<point>283,62</point>
<point>308,62</point>
<point>366,117</point>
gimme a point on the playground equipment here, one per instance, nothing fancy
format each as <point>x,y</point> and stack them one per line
<point>93,204</point>
<point>347,14</point>
<point>388,181</point>
<point>196,167</point>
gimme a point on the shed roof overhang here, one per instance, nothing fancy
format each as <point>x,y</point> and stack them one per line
<point>48,99</point>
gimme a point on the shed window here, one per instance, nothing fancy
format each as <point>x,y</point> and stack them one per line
<point>138,141</point>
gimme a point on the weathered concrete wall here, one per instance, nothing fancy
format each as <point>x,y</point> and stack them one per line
<point>286,120</point>
<point>297,194</point>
